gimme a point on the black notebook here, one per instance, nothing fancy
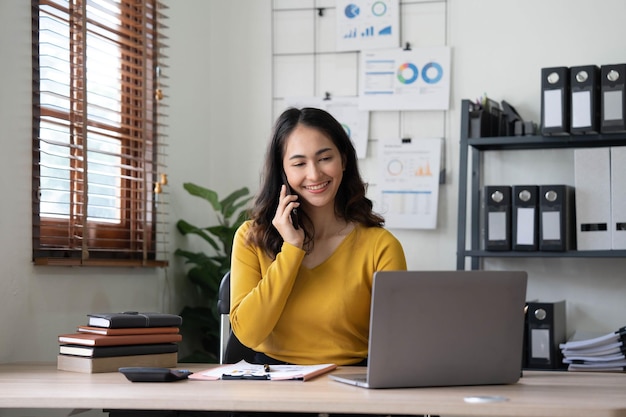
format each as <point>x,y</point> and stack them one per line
<point>134,319</point>
<point>123,350</point>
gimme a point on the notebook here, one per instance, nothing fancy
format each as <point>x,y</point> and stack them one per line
<point>444,328</point>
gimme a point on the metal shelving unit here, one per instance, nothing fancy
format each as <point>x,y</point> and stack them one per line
<point>472,148</point>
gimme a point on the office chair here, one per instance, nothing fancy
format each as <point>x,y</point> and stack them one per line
<point>231,349</point>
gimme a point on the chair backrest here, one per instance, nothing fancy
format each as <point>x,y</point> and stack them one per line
<point>231,349</point>
<point>223,295</point>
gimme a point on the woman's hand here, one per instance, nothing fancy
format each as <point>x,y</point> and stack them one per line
<point>282,218</point>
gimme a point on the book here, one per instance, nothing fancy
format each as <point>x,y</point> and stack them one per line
<point>90,339</point>
<point>112,364</point>
<point>126,330</point>
<point>134,319</point>
<point>245,370</point>
<point>124,350</point>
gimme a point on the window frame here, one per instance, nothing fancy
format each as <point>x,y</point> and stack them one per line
<point>79,240</point>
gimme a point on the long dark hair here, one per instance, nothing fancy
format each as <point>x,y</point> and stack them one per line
<point>351,204</point>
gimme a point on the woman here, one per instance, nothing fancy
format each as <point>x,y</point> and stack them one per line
<point>302,266</point>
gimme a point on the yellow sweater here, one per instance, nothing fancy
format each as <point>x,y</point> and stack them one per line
<point>305,316</point>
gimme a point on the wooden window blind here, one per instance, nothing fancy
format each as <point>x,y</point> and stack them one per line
<point>98,172</point>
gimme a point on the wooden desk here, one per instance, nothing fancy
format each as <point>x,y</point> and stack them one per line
<point>537,394</point>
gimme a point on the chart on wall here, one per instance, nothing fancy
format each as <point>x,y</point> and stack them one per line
<point>398,79</point>
<point>345,109</point>
<point>409,183</point>
<point>367,24</point>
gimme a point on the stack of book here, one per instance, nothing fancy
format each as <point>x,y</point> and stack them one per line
<point>600,353</point>
<point>110,341</point>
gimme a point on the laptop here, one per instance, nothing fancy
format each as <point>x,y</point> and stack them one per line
<point>444,328</point>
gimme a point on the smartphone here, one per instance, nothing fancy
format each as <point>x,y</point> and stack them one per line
<point>294,212</point>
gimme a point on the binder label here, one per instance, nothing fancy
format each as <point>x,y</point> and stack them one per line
<point>612,108</point>
<point>551,225</point>
<point>581,109</point>
<point>553,108</point>
<point>497,226</point>
<point>525,235</point>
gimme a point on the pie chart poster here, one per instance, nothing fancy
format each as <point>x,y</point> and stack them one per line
<point>367,24</point>
<point>397,79</point>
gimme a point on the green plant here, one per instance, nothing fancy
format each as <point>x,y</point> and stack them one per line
<point>200,328</point>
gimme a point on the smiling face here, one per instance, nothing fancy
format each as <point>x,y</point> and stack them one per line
<point>314,167</point>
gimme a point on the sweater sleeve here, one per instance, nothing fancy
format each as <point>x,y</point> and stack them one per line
<point>260,287</point>
<point>390,254</point>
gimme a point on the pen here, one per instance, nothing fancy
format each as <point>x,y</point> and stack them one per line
<point>266,367</point>
<point>245,376</point>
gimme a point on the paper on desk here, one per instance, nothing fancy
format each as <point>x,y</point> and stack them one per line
<point>277,372</point>
<point>578,342</point>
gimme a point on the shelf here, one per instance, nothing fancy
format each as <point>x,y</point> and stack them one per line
<point>545,254</point>
<point>546,142</point>
<point>471,149</point>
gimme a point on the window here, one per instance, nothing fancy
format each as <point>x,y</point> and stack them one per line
<point>99,182</point>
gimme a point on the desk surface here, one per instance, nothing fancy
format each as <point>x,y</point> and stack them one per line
<point>537,394</point>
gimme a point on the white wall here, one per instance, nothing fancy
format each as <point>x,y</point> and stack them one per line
<point>220,119</point>
<point>220,106</point>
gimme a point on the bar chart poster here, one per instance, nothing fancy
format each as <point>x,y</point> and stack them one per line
<point>396,79</point>
<point>367,24</point>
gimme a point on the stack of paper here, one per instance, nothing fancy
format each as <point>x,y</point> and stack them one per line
<point>601,353</point>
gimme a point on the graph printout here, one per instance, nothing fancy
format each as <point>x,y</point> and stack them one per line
<point>367,24</point>
<point>409,183</point>
<point>397,79</point>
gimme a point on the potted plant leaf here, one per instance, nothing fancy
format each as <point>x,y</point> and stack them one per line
<point>200,328</point>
